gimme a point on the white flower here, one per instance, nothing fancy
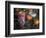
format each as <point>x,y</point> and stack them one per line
<point>33,14</point>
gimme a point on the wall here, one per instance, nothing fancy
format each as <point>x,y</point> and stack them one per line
<point>2,19</point>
